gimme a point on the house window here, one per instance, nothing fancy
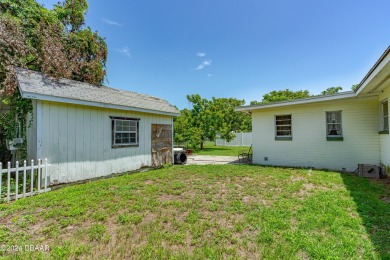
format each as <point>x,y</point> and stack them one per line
<point>334,131</point>
<point>283,127</point>
<point>385,118</point>
<point>125,131</point>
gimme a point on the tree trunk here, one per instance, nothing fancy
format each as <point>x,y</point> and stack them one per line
<point>201,145</point>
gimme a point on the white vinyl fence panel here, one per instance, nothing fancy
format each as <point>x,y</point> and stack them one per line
<point>241,139</point>
<point>23,180</point>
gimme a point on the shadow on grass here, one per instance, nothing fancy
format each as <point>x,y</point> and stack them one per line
<point>372,198</point>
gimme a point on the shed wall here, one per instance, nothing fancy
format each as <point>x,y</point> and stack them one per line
<point>77,141</point>
<point>309,146</point>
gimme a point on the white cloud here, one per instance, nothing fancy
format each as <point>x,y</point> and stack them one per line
<point>207,62</point>
<point>201,54</point>
<point>125,51</point>
<point>110,22</point>
<point>204,64</point>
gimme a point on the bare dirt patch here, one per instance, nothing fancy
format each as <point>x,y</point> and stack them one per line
<point>386,199</point>
<point>149,182</point>
<point>307,189</point>
<point>302,255</point>
<point>297,178</point>
<point>169,197</point>
<point>247,199</point>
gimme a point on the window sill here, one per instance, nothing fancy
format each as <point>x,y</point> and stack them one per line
<point>384,132</point>
<point>124,146</point>
<point>328,138</point>
<point>283,138</point>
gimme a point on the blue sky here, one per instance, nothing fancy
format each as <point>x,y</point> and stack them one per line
<point>240,49</point>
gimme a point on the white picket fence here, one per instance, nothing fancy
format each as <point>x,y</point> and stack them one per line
<point>23,173</point>
<point>241,139</point>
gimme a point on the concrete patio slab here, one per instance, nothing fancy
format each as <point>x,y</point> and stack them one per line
<point>210,159</point>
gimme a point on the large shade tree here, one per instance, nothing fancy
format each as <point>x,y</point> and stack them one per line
<point>209,118</point>
<point>51,41</point>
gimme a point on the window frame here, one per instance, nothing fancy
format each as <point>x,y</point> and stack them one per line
<point>114,131</point>
<point>384,117</point>
<point>283,137</point>
<point>337,137</point>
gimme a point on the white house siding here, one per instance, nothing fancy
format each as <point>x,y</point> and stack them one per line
<point>76,140</point>
<point>384,138</point>
<point>309,147</point>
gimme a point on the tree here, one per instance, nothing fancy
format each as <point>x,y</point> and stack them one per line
<point>185,132</point>
<point>207,118</point>
<point>227,121</point>
<point>50,41</point>
<point>254,102</point>
<point>71,13</point>
<point>202,119</point>
<point>281,95</point>
<point>331,90</point>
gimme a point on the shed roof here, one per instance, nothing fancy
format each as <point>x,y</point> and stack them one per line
<point>36,85</point>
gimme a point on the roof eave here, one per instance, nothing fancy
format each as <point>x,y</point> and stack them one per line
<point>343,95</point>
<point>371,73</point>
<point>36,96</point>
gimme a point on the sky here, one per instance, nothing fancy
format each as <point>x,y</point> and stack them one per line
<point>242,49</point>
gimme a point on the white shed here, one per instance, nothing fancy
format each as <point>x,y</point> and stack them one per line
<point>87,131</point>
<point>335,132</point>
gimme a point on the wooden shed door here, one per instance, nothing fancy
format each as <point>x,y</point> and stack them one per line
<point>161,144</point>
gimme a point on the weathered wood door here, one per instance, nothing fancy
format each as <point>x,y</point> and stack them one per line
<point>161,144</point>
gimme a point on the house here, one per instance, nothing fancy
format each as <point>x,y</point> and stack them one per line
<point>87,131</point>
<point>335,132</point>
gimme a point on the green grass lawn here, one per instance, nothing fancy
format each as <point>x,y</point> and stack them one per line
<point>211,149</point>
<point>213,211</point>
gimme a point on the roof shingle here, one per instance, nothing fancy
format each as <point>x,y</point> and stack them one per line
<point>36,85</point>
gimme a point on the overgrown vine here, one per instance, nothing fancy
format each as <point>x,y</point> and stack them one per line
<point>14,124</point>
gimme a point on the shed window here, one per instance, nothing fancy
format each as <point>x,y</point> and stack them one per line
<point>334,129</point>
<point>125,131</point>
<point>283,130</point>
<point>385,113</point>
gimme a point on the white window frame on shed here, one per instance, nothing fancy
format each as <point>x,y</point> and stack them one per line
<point>384,129</point>
<point>283,133</point>
<point>125,132</point>
<point>334,125</point>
